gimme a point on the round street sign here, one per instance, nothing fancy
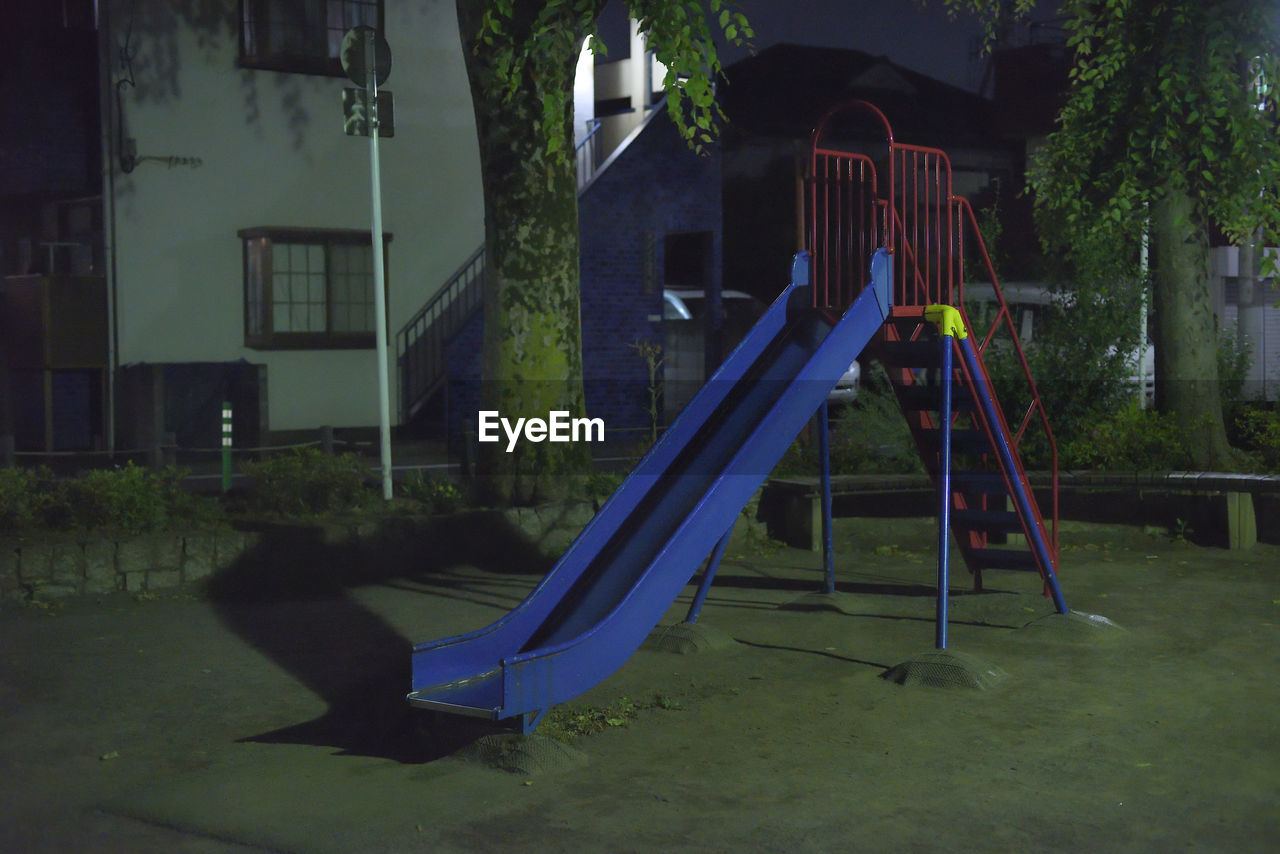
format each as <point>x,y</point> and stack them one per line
<point>353,59</point>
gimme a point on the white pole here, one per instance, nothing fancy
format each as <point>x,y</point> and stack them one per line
<point>107,119</point>
<point>1140,369</point>
<point>379,275</point>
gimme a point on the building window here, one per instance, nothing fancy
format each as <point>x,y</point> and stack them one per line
<point>302,36</point>
<point>308,288</point>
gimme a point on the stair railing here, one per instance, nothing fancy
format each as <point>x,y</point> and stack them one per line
<point>920,181</point>
<point>422,344</point>
<point>1004,327</point>
<point>845,223</point>
<point>588,153</point>
<point>924,225</point>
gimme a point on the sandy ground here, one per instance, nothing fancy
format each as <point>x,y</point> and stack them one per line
<point>225,723</point>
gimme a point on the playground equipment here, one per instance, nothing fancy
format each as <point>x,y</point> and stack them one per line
<point>882,272</point>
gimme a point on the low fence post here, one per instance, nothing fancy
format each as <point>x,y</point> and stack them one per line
<point>326,439</point>
<point>6,451</point>
<point>226,446</point>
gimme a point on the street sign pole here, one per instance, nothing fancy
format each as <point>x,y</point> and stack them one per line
<point>379,273</point>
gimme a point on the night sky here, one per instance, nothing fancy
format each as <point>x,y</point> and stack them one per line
<point>921,38</point>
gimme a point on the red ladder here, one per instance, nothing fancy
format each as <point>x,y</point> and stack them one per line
<point>924,225</point>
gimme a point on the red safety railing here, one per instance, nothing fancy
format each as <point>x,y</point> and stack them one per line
<point>846,219</point>
<point>922,216</point>
<point>924,225</point>
<point>1003,332</point>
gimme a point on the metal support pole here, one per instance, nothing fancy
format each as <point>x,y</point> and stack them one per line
<point>944,491</point>
<point>824,461</point>
<point>226,446</point>
<point>708,575</point>
<point>379,274</point>
<point>1037,543</point>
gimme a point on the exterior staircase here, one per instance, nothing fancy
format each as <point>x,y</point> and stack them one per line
<point>904,203</point>
<point>422,344</point>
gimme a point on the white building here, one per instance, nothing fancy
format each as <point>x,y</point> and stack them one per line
<point>238,211</point>
<point>227,237</point>
<point>1259,322</point>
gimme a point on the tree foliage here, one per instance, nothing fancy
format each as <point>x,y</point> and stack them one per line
<point>1163,95</point>
<point>1162,91</point>
<point>521,59</point>
<point>522,38</point>
<point>1169,129</point>
<point>991,13</point>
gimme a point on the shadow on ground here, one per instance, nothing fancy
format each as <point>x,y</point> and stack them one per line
<point>289,597</point>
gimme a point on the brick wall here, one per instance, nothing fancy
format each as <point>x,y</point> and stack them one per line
<point>655,187</point>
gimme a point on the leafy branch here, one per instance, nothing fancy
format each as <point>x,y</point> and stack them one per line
<point>525,45</point>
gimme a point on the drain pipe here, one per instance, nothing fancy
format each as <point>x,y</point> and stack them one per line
<point>106,121</point>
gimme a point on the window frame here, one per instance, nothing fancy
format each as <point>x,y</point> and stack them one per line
<point>259,304</point>
<point>291,63</point>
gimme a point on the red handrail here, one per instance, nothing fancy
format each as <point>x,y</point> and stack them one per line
<point>847,218</point>
<point>924,224</point>
<point>1004,320</point>
<point>844,219</point>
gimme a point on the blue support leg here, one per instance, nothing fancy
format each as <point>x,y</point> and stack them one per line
<point>708,575</point>
<point>824,458</point>
<point>1020,497</point>
<point>944,491</point>
<point>529,721</point>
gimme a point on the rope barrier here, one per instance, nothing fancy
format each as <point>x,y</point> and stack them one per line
<point>233,450</point>
<point>176,448</point>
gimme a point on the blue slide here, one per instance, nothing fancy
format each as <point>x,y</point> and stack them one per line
<point>618,578</point>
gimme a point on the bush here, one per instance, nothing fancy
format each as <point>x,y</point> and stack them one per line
<point>1257,432</point>
<point>307,481</point>
<point>1132,439</point>
<point>17,500</point>
<point>436,494</point>
<point>1082,357</point>
<point>602,484</point>
<point>868,436</point>
<point>129,499</point>
<point>1234,358</point>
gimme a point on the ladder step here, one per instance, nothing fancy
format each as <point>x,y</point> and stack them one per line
<point>1002,559</point>
<point>978,482</point>
<point>925,398</point>
<point>962,441</point>
<point>1004,521</point>
<point>911,354</point>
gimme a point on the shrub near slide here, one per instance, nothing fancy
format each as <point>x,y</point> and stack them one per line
<point>17,510</point>
<point>1132,439</point>
<point>130,499</point>
<point>307,481</point>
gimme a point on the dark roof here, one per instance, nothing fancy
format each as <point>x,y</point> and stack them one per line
<point>783,91</point>
<point>1031,84</point>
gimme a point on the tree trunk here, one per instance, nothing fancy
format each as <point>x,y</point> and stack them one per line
<point>1186,332</point>
<point>532,357</point>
